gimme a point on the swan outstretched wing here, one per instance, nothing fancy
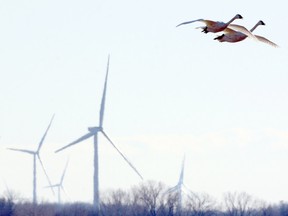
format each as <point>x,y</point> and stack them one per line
<point>265,40</point>
<point>243,30</point>
<point>210,22</point>
<point>188,22</point>
<point>230,31</point>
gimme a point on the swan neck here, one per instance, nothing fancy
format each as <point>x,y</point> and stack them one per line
<point>252,29</point>
<point>231,20</point>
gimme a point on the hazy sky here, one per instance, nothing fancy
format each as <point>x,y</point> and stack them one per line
<point>170,90</point>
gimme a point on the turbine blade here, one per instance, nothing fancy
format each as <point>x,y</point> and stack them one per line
<point>104,96</point>
<point>86,136</point>
<point>22,150</point>
<point>67,197</point>
<point>130,164</point>
<point>52,186</point>
<point>172,189</point>
<point>42,140</point>
<point>63,190</point>
<point>181,178</point>
<point>63,174</point>
<point>184,186</point>
<point>48,179</point>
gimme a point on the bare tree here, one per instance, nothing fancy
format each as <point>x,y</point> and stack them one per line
<point>238,204</point>
<point>13,196</point>
<point>283,209</point>
<point>201,204</point>
<point>262,208</point>
<point>148,199</point>
<point>171,204</point>
<point>115,203</point>
<point>6,207</point>
<point>151,196</point>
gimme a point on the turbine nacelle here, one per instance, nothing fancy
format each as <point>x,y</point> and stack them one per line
<point>95,129</point>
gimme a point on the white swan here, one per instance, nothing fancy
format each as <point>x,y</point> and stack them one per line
<point>233,36</point>
<point>213,26</point>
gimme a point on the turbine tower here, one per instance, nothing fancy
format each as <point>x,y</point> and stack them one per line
<point>178,189</point>
<point>59,186</point>
<point>93,132</point>
<point>36,155</point>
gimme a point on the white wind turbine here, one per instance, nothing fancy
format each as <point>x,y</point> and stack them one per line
<point>93,131</point>
<point>36,155</point>
<point>178,189</point>
<point>59,186</point>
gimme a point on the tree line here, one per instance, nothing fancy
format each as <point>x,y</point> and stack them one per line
<point>149,198</point>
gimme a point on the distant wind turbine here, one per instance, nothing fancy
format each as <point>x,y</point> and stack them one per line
<point>36,155</point>
<point>59,186</point>
<point>178,189</point>
<point>93,131</point>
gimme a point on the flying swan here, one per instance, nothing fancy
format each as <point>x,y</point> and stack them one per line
<point>213,26</point>
<point>233,36</point>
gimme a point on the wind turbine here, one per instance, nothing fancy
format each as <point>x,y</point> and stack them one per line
<point>178,189</point>
<point>36,155</point>
<point>93,132</point>
<point>59,186</point>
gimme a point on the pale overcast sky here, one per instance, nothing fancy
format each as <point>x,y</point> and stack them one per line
<point>170,90</point>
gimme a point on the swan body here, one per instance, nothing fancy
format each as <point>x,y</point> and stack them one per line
<point>213,26</point>
<point>233,36</point>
